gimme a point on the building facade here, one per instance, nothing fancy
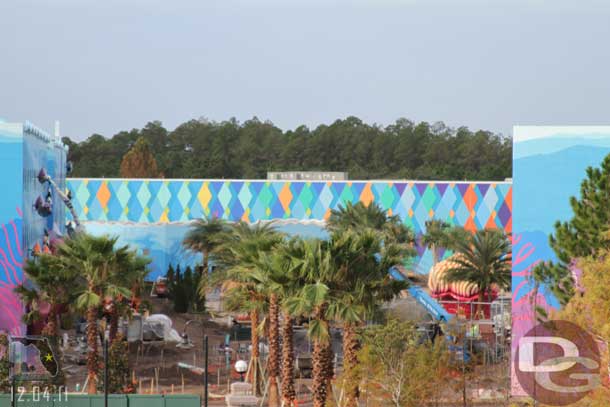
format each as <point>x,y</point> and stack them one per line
<point>30,212</point>
<point>154,214</point>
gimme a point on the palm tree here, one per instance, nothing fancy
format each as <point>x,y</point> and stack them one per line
<point>313,299</point>
<point>361,237</point>
<point>93,259</point>
<point>53,284</point>
<point>129,271</point>
<point>240,257</point>
<point>362,283</point>
<point>361,216</point>
<point>203,237</point>
<point>285,281</point>
<point>483,259</point>
<point>342,279</point>
<point>436,236</point>
<point>441,234</point>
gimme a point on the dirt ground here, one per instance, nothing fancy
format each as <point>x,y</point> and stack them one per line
<point>156,367</point>
<point>156,370</point>
<point>160,360</point>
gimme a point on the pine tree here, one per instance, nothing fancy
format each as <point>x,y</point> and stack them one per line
<point>177,292</point>
<point>582,236</point>
<point>139,161</point>
<point>170,275</point>
<point>187,287</point>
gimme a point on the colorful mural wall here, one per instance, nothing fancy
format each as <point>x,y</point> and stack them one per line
<point>153,214</point>
<point>11,223</point>
<point>24,150</point>
<point>548,167</point>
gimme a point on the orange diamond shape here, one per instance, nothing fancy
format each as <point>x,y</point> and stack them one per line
<point>103,194</point>
<point>366,197</point>
<point>451,213</point>
<point>286,196</point>
<point>470,198</point>
<point>410,212</point>
<point>431,213</point>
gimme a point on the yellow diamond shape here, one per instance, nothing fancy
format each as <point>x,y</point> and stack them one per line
<point>204,195</point>
<point>126,210</point>
<point>164,218</point>
<point>146,210</point>
<point>86,209</point>
<point>308,212</point>
<point>106,209</point>
<point>268,211</point>
<point>227,211</point>
<point>187,210</point>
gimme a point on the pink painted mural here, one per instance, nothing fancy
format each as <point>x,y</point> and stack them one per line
<point>11,274</point>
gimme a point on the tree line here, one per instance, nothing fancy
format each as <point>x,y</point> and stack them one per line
<point>230,149</point>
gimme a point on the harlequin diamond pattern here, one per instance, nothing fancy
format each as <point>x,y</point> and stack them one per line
<point>473,205</point>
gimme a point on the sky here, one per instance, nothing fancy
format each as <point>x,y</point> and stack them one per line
<point>112,65</point>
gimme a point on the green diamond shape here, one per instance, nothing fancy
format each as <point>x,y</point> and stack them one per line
<point>306,196</point>
<point>388,197</point>
<point>429,198</point>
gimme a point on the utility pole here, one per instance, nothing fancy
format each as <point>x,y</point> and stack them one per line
<point>106,372</point>
<point>13,388</point>
<point>205,377</point>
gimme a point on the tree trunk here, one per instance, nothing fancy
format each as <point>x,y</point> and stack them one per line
<point>434,255</point>
<point>288,392</point>
<point>114,323</point>
<point>322,364</point>
<point>479,305</point>
<point>318,387</point>
<point>273,362</point>
<point>351,346</point>
<point>254,376</point>
<point>205,263</point>
<point>92,360</point>
<point>329,366</point>
<point>51,328</point>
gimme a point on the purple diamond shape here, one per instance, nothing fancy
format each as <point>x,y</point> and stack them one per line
<point>504,214</point>
<point>483,188</point>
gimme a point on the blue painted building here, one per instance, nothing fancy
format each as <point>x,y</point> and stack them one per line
<point>30,212</point>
